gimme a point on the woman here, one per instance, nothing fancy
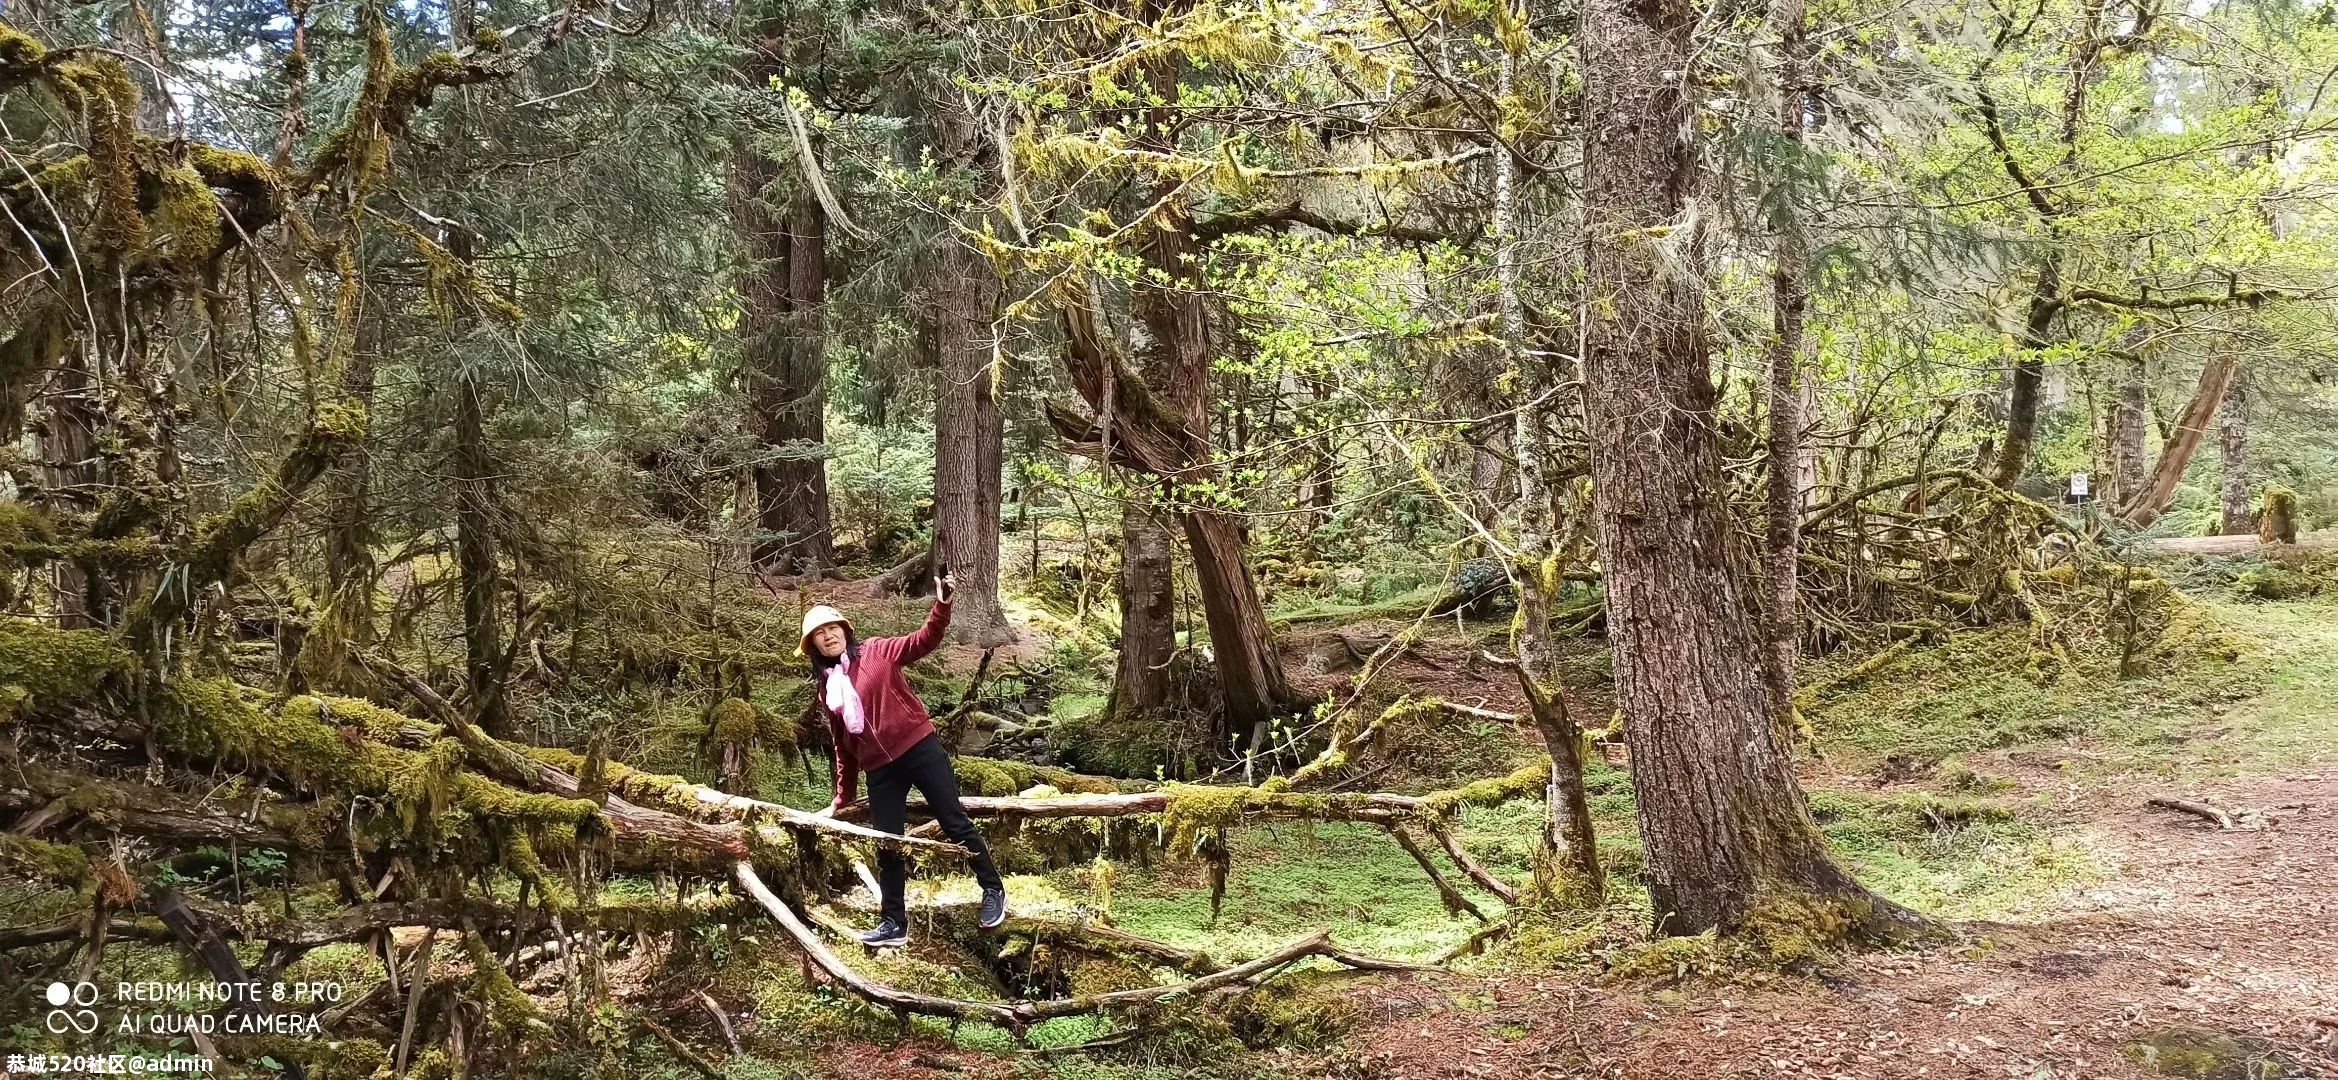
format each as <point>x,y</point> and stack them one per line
<point>879,727</point>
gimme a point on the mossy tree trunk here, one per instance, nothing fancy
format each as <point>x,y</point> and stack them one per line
<point>1320,477</point>
<point>2130,429</point>
<point>2236,496</point>
<point>68,444</point>
<point>349,514</point>
<point>2159,491</point>
<point>476,558</point>
<point>1724,822</point>
<point>1170,303</point>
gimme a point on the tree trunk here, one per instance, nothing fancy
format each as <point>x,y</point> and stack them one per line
<point>1321,476</point>
<point>68,444</point>
<point>1782,497</point>
<point>2129,431</point>
<point>2029,375</point>
<point>1169,302</point>
<point>1723,820</point>
<point>969,442</point>
<point>349,498</point>
<point>1148,614</point>
<point>475,556</point>
<point>2239,492</point>
<point>2149,503</point>
<point>1243,649</point>
<point>969,438</point>
<point>783,358</point>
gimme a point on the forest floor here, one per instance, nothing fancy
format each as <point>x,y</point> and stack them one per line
<point>2092,934</point>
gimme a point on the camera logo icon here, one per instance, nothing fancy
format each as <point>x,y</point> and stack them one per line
<point>80,1019</point>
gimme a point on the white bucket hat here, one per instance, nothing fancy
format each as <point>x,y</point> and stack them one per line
<point>816,618</point>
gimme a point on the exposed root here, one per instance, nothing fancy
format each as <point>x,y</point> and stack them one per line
<point>2197,809</point>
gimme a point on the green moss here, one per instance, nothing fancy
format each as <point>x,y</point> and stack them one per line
<point>188,212</point>
<point>1668,958</point>
<point>62,864</point>
<point>21,524</point>
<point>1527,781</point>
<point>1195,811</point>
<point>2274,582</point>
<point>511,1015</point>
<point>650,789</point>
<point>2202,1054</point>
<point>101,89</point>
<point>1012,777</point>
<point>41,666</point>
<point>980,777</point>
<point>1960,777</point>
<point>1538,942</point>
<point>733,721</point>
<point>20,55</point>
<point>303,740</point>
<point>230,168</point>
<point>1292,1013</point>
<point>1952,857</point>
<point>1971,692</point>
<point>1798,930</point>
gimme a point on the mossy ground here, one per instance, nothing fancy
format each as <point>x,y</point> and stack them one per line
<point>2245,688</point>
<point>1973,848</point>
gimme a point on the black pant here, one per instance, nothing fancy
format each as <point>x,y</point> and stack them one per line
<point>925,767</point>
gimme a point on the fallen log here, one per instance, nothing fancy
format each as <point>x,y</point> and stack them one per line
<point>554,771</point>
<point>2240,544</point>
<point>1018,1016</point>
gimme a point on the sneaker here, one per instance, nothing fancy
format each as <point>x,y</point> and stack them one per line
<point>994,908</point>
<point>887,934</point>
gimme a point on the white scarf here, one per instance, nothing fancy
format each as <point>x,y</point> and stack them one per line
<point>842,699</point>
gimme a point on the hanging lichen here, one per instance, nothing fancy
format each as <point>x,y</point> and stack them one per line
<point>99,88</point>
<point>1195,811</point>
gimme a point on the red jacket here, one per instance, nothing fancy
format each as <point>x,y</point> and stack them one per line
<point>894,721</point>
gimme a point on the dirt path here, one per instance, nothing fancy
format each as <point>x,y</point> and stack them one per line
<point>2201,932</point>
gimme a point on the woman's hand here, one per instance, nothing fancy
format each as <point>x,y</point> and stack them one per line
<point>944,586</point>
<point>835,808</point>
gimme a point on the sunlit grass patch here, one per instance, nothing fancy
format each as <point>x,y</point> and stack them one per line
<point>1290,880</point>
<point>1954,858</point>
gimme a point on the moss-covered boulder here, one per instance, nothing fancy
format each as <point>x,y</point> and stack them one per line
<point>2201,1054</point>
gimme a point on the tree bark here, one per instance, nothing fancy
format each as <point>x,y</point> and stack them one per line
<point>1321,476</point>
<point>783,355</point>
<point>68,444</point>
<point>2130,430</point>
<point>1148,614</point>
<point>969,441</point>
<point>1789,298</point>
<point>349,531</point>
<point>1169,301</point>
<point>2029,374</point>
<point>1723,820</point>
<point>2239,489</point>
<point>475,557</point>
<point>2149,503</point>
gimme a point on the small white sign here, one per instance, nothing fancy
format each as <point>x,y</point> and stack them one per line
<point>2079,483</point>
